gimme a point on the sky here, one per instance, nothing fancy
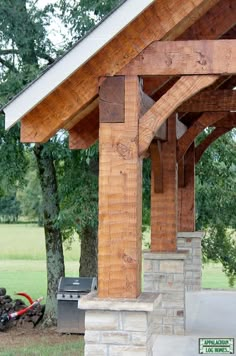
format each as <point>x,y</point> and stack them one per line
<point>55,27</point>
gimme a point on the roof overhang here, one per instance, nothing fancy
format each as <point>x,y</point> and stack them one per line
<point>72,60</point>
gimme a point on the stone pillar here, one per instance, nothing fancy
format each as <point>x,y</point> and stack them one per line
<point>165,273</point>
<point>115,327</point>
<point>191,242</point>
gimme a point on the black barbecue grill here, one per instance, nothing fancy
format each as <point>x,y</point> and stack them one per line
<point>70,319</point>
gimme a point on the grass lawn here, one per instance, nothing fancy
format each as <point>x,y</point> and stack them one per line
<point>39,349</point>
<point>23,266</point>
<point>22,259</point>
<point>213,277</point>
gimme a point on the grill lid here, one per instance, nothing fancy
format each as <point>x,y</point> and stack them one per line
<point>77,284</point>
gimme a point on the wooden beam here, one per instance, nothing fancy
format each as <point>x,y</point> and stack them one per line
<point>157,166</point>
<point>168,103</point>
<point>212,25</point>
<point>212,100</point>
<point>186,194</point>
<point>165,19</point>
<point>185,58</point>
<point>164,204</point>
<point>85,133</point>
<point>228,122</point>
<point>146,104</point>
<point>120,201</point>
<point>111,107</point>
<point>212,137</point>
<point>223,83</point>
<point>207,119</point>
<point>181,177</point>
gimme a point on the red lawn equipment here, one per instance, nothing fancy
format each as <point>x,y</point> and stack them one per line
<point>7,317</point>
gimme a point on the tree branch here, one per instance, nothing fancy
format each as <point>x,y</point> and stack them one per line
<point>4,52</point>
<point>45,56</point>
<point>8,64</point>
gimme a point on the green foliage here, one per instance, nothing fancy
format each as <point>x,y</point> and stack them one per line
<point>9,209</point>
<point>78,188</point>
<point>216,203</point>
<point>81,16</point>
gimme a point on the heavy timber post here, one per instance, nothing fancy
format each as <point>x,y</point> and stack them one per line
<point>186,194</point>
<point>164,204</point>
<point>120,189</point>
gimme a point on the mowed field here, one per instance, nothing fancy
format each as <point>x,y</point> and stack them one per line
<point>23,264</point>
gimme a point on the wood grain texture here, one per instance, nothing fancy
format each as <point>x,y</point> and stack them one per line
<point>164,205</point>
<point>184,89</point>
<point>212,137</point>
<point>181,176</point>
<point>111,100</point>
<point>212,25</point>
<point>85,133</point>
<point>212,100</point>
<point>120,202</point>
<point>186,194</point>
<point>229,121</point>
<point>157,166</point>
<point>202,57</point>
<point>205,120</point>
<point>165,19</point>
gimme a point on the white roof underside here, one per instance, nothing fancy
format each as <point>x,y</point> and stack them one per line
<point>74,59</point>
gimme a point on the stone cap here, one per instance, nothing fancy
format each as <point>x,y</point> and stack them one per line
<point>178,255</point>
<point>145,302</point>
<point>191,234</point>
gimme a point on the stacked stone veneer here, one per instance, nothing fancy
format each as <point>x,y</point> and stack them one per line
<point>165,273</point>
<point>119,327</point>
<point>191,241</point>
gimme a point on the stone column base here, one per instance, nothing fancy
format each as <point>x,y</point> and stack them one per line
<point>115,327</point>
<point>164,273</point>
<point>191,241</point>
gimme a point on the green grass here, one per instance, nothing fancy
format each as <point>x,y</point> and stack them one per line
<point>213,277</point>
<point>26,242</point>
<point>22,259</point>
<point>23,266</point>
<point>70,348</point>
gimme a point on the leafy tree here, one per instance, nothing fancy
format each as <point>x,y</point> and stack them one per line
<point>25,49</point>
<point>216,203</point>
<point>23,42</point>
<point>9,209</point>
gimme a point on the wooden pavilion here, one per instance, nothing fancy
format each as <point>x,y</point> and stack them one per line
<point>145,82</point>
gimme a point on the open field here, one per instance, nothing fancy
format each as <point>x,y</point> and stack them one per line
<point>22,259</point>
<point>23,266</point>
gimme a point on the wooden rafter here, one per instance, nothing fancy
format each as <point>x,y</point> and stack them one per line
<point>212,100</point>
<point>165,19</point>
<point>213,24</point>
<point>185,58</point>
<point>85,133</point>
<point>228,122</point>
<point>168,103</point>
<point>212,137</point>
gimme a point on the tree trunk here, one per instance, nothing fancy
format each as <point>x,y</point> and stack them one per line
<point>88,258</point>
<point>53,237</point>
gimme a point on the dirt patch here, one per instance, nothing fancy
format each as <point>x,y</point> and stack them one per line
<point>26,336</point>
